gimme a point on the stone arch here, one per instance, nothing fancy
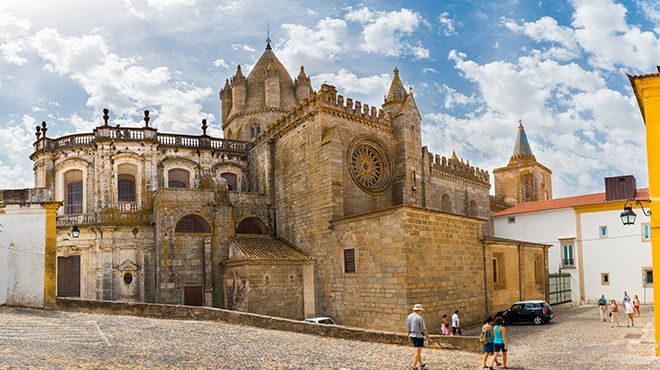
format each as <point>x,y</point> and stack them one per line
<point>251,225</point>
<point>473,208</point>
<point>172,162</point>
<point>225,167</point>
<point>192,223</point>
<point>178,178</point>
<point>445,204</point>
<point>74,163</point>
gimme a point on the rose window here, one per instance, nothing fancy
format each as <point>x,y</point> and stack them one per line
<point>370,166</point>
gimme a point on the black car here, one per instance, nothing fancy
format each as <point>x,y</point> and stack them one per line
<point>535,312</point>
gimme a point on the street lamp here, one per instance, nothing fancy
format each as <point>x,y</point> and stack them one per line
<point>75,232</point>
<point>628,216</point>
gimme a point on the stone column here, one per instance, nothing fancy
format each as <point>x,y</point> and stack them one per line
<point>207,260</point>
<point>50,254</point>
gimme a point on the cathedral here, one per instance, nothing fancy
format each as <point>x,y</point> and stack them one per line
<point>311,204</point>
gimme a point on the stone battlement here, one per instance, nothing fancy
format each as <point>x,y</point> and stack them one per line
<point>457,167</point>
<point>326,98</point>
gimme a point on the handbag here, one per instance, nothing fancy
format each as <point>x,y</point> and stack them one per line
<point>610,314</point>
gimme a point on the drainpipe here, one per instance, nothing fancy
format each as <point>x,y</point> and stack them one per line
<point>520,272</point>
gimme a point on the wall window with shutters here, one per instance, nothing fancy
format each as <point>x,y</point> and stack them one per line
<point>73,196</point>
<point>646,232</point>
<point>178,178</point>
<point>126,187</point>
<point>567,253</point>
<point>349,261</point>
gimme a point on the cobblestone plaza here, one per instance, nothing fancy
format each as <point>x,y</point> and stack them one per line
<point>54,339</point>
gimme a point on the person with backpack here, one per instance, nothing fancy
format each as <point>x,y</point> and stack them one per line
<point>499,342</point>
<point>486,339</point>
<point>602,307</point>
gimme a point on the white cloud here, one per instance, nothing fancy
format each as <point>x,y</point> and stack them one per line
<point>574,120</point>
<point>372,87</point>
<point>383,31</point>
<point>453,98</point>
<point>318,47</point>
<point>13,32</point>
<point>220,63</point>
<point>429,70</point>
<point>602,31</point>
<point>547,29</point>
<point>420,52</point>
<point>119,83</point>
<point>446,24</point>
<point>243,47</point>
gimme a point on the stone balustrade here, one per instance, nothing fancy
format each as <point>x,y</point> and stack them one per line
<point>108,216</point>
<point>141,134</point>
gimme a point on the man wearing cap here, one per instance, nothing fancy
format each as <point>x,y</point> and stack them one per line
<point>416,334</point>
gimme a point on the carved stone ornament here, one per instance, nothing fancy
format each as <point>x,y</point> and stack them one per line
<point>370,165</point>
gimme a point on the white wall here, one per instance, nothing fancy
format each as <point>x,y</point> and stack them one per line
<point>22,250</point>
<point>545,227</point>
<point>4,267</point>
<point>622,254</point>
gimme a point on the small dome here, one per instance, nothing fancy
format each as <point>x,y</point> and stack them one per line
<point>268,65</point>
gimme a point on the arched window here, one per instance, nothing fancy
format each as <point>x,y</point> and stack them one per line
<point>446,203</point>
<point>192,224</point>
<point>252,225</point>
<point>126,182</point>
<point>73,198</point>
<point>178,178</point>
<point>473,209</point>
<point>255,130</point>
<point>232,180</point>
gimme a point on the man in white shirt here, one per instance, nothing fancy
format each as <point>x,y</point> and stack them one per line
<point>416,333</point>
<point>455,324</point>
<point>630,310</point>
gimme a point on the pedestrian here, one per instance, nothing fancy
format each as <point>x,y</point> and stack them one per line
<point>444,327</point>
<point>416,333</point>
<point>630,310</point>
<point>626,297</point>
<point>602,307</point>
<point>636,304</point>
<point>614,313</point>
<point>455,324</point>
<point>499,342</point>
<point>486,338</point>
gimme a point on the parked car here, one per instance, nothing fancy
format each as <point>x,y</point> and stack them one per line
<point>321,320</point>
<point>536,312</point>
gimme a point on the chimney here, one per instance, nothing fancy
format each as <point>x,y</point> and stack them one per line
<point>620,188</point>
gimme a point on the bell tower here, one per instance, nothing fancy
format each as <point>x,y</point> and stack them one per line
<point>524,179</point>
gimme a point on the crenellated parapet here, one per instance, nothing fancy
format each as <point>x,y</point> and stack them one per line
<point>458,168</point>
<point>328,101</point>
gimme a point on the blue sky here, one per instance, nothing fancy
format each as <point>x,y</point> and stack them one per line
<point>476,68</point>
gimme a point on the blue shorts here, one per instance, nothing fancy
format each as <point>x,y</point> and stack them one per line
<point>499,347</point>
<point>417,342</point>
<point>488,348</point>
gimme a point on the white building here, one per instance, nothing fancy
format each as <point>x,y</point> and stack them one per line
<point>589,239</point>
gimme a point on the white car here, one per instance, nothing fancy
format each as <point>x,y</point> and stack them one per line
<point>321,320</point>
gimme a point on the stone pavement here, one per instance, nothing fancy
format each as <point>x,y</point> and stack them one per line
<point>54,339</point>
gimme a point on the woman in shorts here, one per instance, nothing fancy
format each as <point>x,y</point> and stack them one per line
<point>487,329</point>
<point>614,312</point>
<point>499,342</point>
<point>636,304</point>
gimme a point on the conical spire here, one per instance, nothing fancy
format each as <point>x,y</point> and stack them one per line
<point>521,148</point>
<point>238,77</point>
<point>302,78</point>
<point>397,92</point>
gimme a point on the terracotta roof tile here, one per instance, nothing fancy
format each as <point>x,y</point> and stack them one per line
<point>264,247</point>
<point>578,200</point>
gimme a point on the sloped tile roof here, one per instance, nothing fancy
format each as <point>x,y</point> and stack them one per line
<point>264,247</point>
<point>579,200</point>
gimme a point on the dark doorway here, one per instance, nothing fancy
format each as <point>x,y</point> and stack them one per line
<point>68,276</point>
<point>193,296</point>
<point>251,225</point>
